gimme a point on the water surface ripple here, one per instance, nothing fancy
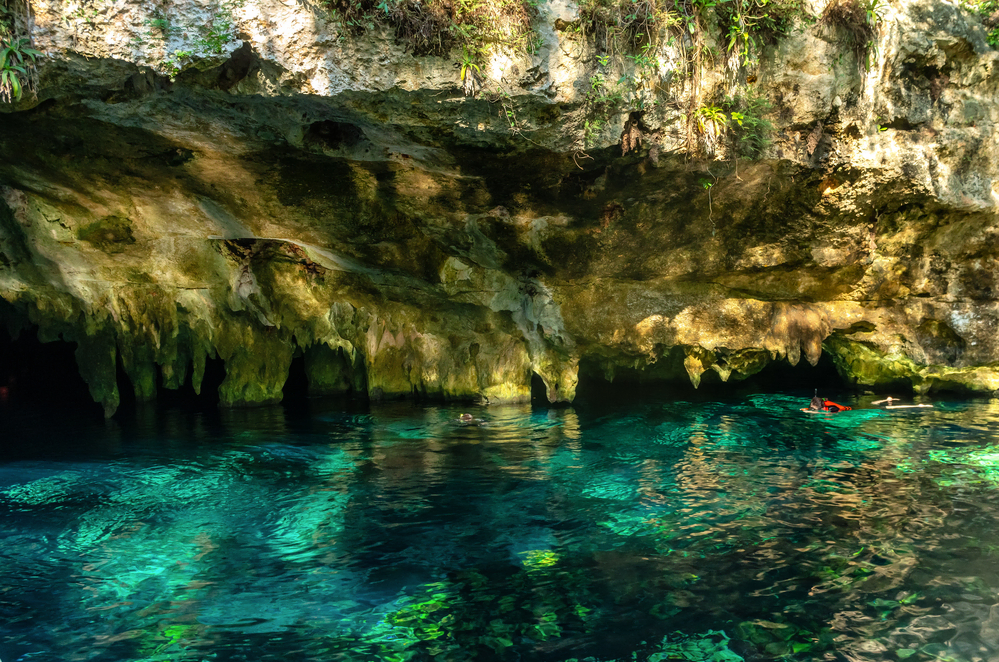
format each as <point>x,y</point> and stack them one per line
<point>714,531</point>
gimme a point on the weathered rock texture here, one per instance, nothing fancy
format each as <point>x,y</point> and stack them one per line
<point>305,192</point>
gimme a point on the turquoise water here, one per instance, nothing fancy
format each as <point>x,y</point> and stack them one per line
<point>740,530</point>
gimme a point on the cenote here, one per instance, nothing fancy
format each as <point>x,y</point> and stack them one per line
<point>643,528</point>
<point>259,257</point>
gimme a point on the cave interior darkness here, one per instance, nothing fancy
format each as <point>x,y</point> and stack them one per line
<point>35,374</point>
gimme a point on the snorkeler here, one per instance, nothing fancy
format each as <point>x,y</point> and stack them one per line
<point>821,404</point>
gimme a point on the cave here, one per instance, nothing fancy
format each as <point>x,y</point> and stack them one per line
<point>777,376</point>
<point>333,135</point>
<point>36,373</point>
<point>296,387</point>
<point>411,214</point>
<point>185,397</point>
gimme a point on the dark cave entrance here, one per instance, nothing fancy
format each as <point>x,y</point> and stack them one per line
<point>185,397</point>
<point>539,392</point>
<point>33,372</point>
<point>36,374</point>
<point>295,392</point>
<point>778,376</point>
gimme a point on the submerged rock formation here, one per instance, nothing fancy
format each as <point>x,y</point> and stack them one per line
<point>414,224</point>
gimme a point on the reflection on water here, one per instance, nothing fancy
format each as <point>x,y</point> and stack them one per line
<point>719,531</point>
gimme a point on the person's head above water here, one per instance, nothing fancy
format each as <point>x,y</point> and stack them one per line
<point>816,401</point>
<point>466,417</point>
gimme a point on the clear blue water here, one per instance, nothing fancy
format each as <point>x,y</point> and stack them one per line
<point>654,531</point>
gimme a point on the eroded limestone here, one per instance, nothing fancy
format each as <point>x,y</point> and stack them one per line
<point>302,194</point>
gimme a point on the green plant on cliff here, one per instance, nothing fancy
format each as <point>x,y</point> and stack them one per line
<point>174,62</point>
<point>749,127</point>
<point>706,126</point>
<point>435,27</point>
<point>746,25</point>
<point>6,22</point>
<point>161,28</point>
<point>741,118</point>
<point>220,29</point>
<point>988,12</point>
<point>507,108</point>
<point>629,25</point>
<point>602,99</point>
<point>664,39</point>
<point>218,33</point>
<point>710,119</point>
<point>860,22</point>
<point>469,70</point>
<point>17,58</point>
<point>16,64</point>
<point>750,25</point>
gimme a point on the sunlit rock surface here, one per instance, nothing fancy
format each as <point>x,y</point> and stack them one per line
<point>289,190</point>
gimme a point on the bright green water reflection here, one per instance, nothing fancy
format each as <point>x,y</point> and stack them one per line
<point>719,531</point>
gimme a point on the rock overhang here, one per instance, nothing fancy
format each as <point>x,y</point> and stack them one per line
<point>412,240</point>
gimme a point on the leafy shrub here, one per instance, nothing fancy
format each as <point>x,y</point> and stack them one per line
<point>988,11</point>
<point>750,25</point>
<point>17,58</point>
<point>741,118</point>
<point>750,129</point>
<point>217,33</point>
<point>710,120</point>
<point>16,61</point>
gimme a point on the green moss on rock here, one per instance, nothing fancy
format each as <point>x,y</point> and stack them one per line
<point>96,357</point>
<point>111,234</point>
<point>330,371</point>
<point>862,364</point>
<point>256,366</point>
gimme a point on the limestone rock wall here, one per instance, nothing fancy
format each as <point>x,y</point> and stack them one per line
<point>247,181</point>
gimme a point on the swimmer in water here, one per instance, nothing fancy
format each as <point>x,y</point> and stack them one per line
<point>821,404</point>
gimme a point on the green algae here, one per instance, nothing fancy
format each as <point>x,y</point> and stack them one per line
<point>111,234</point>
<point>711,646</point>
<point>973,466</point>
<point>331,371</point>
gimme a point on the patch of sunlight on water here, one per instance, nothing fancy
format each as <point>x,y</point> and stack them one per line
<point>705,531</point>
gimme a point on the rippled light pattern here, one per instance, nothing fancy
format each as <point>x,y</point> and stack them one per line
<point>699,531</point>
